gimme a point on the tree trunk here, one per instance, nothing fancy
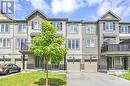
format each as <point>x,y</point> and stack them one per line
<point>47,74</point>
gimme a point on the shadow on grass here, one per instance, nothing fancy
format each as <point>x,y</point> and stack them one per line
<point>52,82</point>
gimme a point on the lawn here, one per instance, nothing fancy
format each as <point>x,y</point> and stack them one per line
<point>33,79</point>
<point>125,76</point>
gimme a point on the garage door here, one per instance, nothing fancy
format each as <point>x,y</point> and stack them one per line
<point>90,66</point>
<point>73,66</point>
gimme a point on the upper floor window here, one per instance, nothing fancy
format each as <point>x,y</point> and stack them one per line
<point>36,25</point>
<point>73,28</point>
<point>58,25</point>
<point>73,44</point>
<point>22,28</point>
<point>90,43</point>
<point>124,29</point>
<point>20,42</point>
<point>109,26</point>
<point>4,27</point>
<point>90,29</point>
<point>5,43</point>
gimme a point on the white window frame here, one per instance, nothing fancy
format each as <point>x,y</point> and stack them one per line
<point>36,25</point>
<point>109,26</point>
<point>73,28</point>
<point>58,25</point>
<point>19,41</point>
<point>73,43</point>
<point>90,43</point>
<point>23,28</point>
<point>7,43</point>
<point>124,29</point>
<point>5,28</point>
<point>90,29</point>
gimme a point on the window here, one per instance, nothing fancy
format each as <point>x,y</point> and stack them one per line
<point>109,26</point>
<point>124,29</point>
<point>73,28</point>
<point>22,28</point>
<point>4,27</point>
<point>118,60</point>
<point>36,25</point>
<point>73,44</point>
<point>20,42</point>
<point>5,43</point>
<point>90,43</point>
<point>90,29</point>
<point>58,25</point>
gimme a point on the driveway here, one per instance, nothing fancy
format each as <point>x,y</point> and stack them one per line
<point>95,79</point>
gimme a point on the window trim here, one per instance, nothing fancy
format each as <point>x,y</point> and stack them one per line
<point>38,27</point>
<point>124,29</point>
<point>108,27</point>
<point>73,25</point>
<point>86,41</point>
<point>22,26</point>
<point>92,29</point>
<point>4,28</point>
<point>58,24</point>
<point>20,42</point>
<point>1,47</point>
<point>78,41</point>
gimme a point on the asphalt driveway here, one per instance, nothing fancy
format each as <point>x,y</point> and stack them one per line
<point>95,79</point>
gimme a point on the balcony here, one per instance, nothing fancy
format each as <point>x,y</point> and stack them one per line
<point>123,48</point>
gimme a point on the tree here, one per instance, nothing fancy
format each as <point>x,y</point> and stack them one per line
<point>48,46</point>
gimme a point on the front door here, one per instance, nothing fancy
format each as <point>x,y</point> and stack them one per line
<point>125,63</point>
<point>38,62</point>
<point>110,63</point>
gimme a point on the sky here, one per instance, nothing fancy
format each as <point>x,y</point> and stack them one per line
<point>87,10</point>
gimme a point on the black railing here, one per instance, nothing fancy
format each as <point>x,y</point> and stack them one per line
<point>116,47</point>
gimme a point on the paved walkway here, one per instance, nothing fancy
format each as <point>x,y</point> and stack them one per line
<point>95,79</point>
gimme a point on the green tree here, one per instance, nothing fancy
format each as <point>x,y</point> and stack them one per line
<point>48,45</point>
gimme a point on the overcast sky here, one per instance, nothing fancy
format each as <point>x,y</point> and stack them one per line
<point>88,10</point>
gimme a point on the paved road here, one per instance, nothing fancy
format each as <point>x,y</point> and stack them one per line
<point>95,79</point>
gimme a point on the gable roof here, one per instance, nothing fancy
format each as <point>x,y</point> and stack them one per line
<point>111,13</point>
<point>6,16</point>
<point>37,12</point>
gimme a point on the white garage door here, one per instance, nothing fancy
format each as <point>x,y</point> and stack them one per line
<point>90,66</point>
<point>73,66</point>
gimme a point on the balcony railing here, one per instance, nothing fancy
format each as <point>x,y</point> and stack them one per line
<point>116,47</point>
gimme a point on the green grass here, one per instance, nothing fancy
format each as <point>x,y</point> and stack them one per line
<point>125,76</point>
<point>33,79</point>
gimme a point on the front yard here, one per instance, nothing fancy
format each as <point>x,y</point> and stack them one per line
<point>33,79</point>
<point>125,76</point>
